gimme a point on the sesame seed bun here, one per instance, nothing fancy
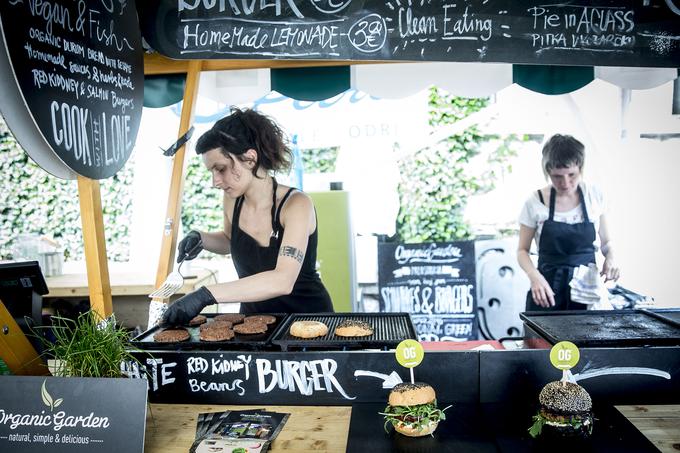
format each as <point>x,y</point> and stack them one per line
<point>565,398</point>
<point>353,328</point>
<point>406,394</point>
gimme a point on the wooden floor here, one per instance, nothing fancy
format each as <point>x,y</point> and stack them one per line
<point>171,428</point>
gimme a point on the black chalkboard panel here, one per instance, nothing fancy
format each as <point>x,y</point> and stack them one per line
<point>64,415</point>
<point>79,67</point>
<point>435,282</point>
<point>299,378</point>
<point>600,32</point>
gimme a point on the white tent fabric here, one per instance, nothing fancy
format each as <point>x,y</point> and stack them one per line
<point>399,80</point>
<point>393,81</point>
<point>636,78</point>
<point>235,86</point>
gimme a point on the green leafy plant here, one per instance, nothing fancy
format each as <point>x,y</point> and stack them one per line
<point>201,202</point>
<point>87,346</point>
<point>576,421</point>
<point>320,160</point>
<point>437,181</point>
<point>537,427</point>
<point>420,415</point>
<point>37,202</point>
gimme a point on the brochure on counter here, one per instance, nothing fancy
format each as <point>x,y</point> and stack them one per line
<point>247,431</point>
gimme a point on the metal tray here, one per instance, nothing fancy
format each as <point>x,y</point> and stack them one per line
<point>260,341</point>
<point>593,328</point>
<point>389,329</point>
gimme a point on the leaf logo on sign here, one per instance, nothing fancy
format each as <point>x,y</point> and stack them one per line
<point>47,398</point>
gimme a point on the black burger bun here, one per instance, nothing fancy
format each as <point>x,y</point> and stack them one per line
<point>567,410</point>
<point>406,394</point>
<point>565,398</point>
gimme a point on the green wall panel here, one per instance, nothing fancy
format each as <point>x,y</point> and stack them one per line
<point>335,252</point>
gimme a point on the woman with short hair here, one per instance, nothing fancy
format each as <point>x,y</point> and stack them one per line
<point>564,218</point>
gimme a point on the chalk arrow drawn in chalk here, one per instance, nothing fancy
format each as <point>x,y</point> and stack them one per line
<point>595,372</point>
<point>389,380</point>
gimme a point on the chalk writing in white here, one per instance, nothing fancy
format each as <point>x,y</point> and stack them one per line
<point>302,376</point>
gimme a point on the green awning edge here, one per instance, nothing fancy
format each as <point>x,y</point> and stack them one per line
<point>311,84</point>
<point>552,79</point>
<point>163,90</point>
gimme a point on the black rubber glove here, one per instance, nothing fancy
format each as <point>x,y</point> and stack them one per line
<point>187,307</point>
<point>190,246</point>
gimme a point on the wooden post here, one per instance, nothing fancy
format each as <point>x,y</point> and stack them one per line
<point>95,246</point>
<point>174,207</point>
<point>15,349</point>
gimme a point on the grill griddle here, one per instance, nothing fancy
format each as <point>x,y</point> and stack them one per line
<point>591,328</point>
<point>259,341</point>
<point>671,315</point>
<point>389,329</point>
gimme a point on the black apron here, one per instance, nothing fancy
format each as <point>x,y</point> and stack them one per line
<point>561,248</point>
<point>308,295</point>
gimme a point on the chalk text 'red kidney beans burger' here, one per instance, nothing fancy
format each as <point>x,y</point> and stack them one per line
<point>412,409</point>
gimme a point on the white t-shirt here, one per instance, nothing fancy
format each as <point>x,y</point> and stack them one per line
<point>534,213</point>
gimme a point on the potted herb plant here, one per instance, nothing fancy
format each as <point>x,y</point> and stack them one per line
<point>87,346</point>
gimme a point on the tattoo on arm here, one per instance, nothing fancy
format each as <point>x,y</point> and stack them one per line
<point>292,252</point>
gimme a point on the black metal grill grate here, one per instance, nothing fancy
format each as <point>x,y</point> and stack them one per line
<point>388,330</point>
<point>145,340</point>
<point>604,328</point>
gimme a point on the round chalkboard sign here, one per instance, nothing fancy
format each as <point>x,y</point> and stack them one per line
<point>78,67</point>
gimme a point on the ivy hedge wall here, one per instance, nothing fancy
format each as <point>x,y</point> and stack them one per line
<point>35,202</point>
<point>435,186</point>
<point>436,182</point>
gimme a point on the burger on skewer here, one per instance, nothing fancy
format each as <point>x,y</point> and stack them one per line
<point>412,409</point>
<point>566,411</point>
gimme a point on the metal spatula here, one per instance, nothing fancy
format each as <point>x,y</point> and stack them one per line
<point>174,281</point>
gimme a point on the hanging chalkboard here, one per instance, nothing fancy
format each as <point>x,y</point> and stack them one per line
<point>435,282</point>
<point>594,33</point>
<point>78,67</point>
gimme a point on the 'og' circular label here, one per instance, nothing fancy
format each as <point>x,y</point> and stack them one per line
<point>564,355</point>
<point>409,353</point>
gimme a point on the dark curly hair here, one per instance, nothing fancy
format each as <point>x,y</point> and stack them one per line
<point>246,129</point>
<point>562,151</point>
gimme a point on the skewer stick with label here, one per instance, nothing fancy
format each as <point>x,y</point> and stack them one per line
<point>409,354</point>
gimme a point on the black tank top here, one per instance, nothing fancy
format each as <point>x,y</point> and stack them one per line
<point>308,295</point>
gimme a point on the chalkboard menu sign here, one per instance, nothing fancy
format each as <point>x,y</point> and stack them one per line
<point>56,415</point>
<point>78,66</point>
<point>598,32</point>
<point>300,377</point>
<point>435,282</point>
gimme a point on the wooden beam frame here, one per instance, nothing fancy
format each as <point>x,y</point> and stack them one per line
<point>156,64</point>
<point>174,206</point>
<point>16,351</point>
<point>95,246</point>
